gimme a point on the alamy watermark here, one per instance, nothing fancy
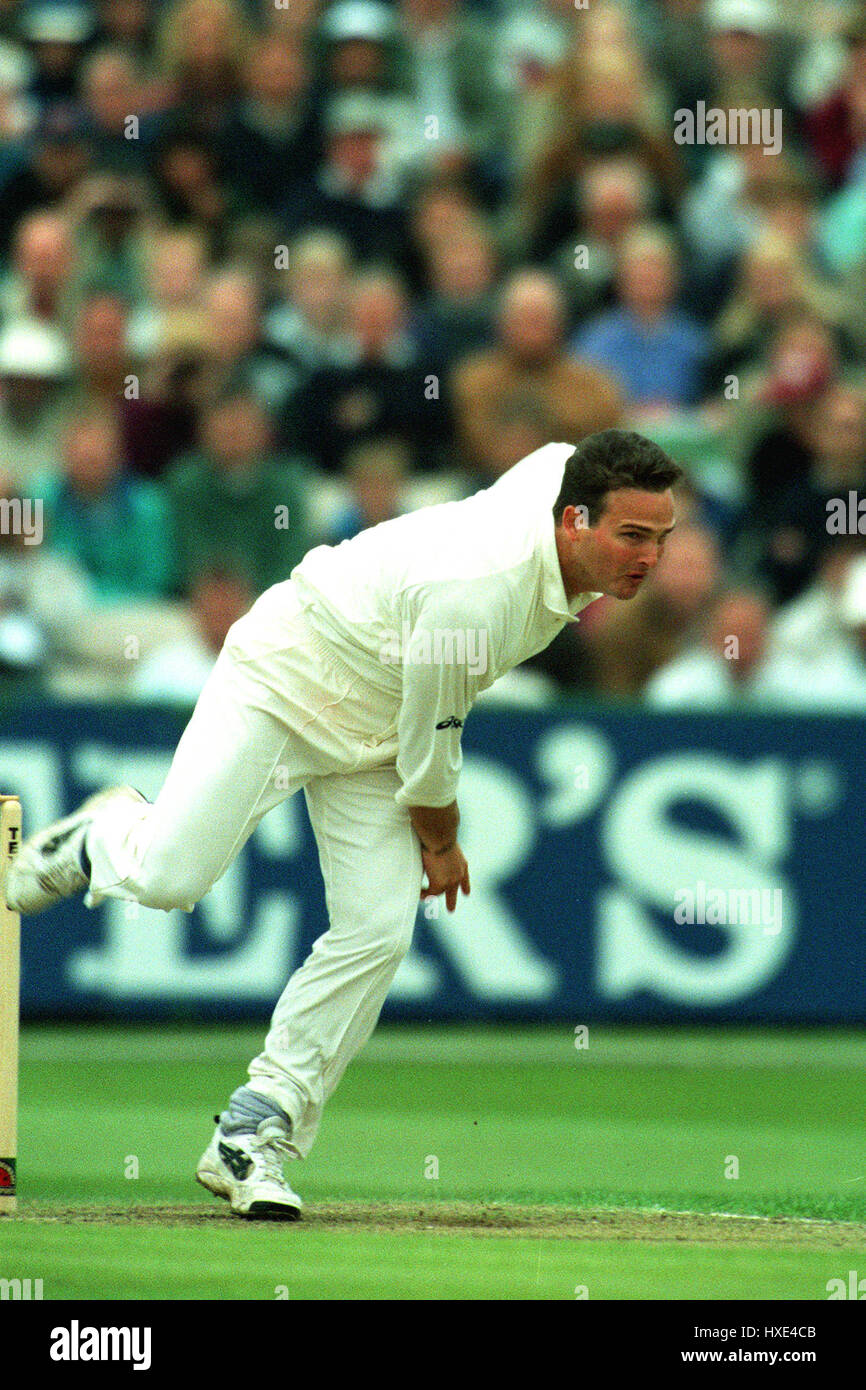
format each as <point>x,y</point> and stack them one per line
<point>740,125</point>
<point>20,1290</point>
<point>77,1343</point>
<point>22,516</point>
<point>854,1287</point>
<point>846,516</point>
<point>704,905</point>
<point>439,646</point>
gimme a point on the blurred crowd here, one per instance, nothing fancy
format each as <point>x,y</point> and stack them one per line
<point>272,271</point>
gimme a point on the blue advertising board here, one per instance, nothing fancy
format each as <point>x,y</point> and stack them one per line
<point>625,866</point>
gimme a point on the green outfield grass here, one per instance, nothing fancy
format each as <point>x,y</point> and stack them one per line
<point>558,1168</point>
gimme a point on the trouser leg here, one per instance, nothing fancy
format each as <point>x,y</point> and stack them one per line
<point>235,761</point>
<point>371,864</point>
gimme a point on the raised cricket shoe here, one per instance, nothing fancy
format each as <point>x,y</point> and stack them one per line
<point>247,1170</point>
<point>52,864</point>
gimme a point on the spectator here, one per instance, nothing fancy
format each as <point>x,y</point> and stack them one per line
<point>774,283</point>
<point>202,45</point>
<point>17,109</point>
<point>34,362</point>
<point>786,197</point>
<point>47,173</point>
<point>382,389</point>
<point>522,426</point>
<point>834,676</point>
<point>610,28</point>
<point>47,608</point>
<point>177,671</point>
<point>812,628</point>
<point>744,195</point>
<point>654,350</point>
<point>789,544</point>
<point>297,20</point>
<point>731,668</point>
<point>55,631</point>
<point>745,663</point>
<point>750,58</point>
<point>843,226</point>
<point>127,25</point>
<point>607,108</point>
<point>358,42</point>
<point>309,326</point>
<point>56,36</point>
<point>238,352</point>
<point>743,191</point>
<point>190,187</point>
<point>113,527</point>
<point>376,473</point>
<point>236,502</point>
<point>676,37</point>
<point>457,317</point>
<point>529,363</point>
<point>102,353</point>
<point>414,343</point>
<point>39,284</point>
<point>161,422</point>
<point>109,215</point>
<point>23,641</point>
<point>112,92</point>
<point>803,360</point>
<point>448,67</point>
<point>353,192</point>
<point>442,207</point>
<point>852,288</point>
<point>612,197</point>
<point>155,418</point>
<point>836,126</point>
<point>271,141</point>
<point>173,273</point>
<point>531,41</point>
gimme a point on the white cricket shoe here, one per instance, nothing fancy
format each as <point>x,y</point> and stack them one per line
<point>247,1170</point>
<point>49,865</point>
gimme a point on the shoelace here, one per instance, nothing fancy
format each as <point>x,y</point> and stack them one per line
<point>261,1145</point>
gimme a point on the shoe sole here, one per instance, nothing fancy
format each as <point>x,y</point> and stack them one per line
<point>269,1211</point>
<point>212,1184</point>
<point>258,1211</point>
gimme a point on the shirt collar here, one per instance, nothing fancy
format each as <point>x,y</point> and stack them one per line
<point>553,588</point>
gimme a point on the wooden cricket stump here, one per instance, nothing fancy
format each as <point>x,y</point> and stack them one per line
<point>10,978</point>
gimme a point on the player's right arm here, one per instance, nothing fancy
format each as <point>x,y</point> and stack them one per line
<point>435,826</point>
<point>443,859</point>
<point>437,696</point>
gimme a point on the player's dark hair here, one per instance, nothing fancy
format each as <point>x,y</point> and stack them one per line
<point>608,461</point>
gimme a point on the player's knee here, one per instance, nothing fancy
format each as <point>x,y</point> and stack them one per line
<point>396,940</point>
<point>166,881</point>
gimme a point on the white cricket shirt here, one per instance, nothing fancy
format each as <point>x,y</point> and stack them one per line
<point>430,608</point>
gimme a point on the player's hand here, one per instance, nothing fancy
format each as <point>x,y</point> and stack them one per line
<point>446,873</point>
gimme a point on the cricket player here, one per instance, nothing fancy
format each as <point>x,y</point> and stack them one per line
<point>353,679</point>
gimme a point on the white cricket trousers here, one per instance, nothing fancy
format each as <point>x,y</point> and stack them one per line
<point>282,712</point>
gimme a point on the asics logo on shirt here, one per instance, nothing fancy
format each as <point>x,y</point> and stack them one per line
<point>452,722</point>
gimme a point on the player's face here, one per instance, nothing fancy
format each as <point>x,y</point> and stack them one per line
<point>626,543</point>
